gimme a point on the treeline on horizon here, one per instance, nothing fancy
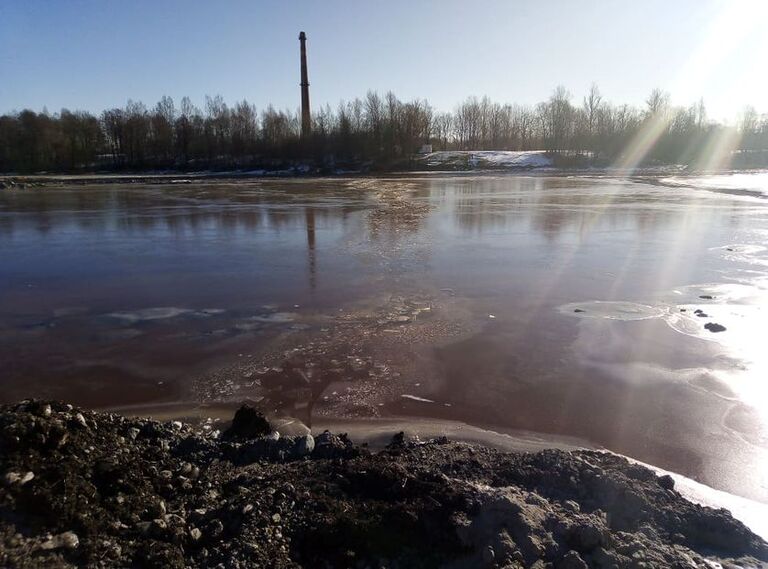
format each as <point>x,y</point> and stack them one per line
<point>381,131</point>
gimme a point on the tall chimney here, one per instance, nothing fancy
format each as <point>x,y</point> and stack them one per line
<point>306,119</point>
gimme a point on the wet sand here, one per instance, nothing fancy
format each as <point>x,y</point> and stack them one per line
<point>556,305</point>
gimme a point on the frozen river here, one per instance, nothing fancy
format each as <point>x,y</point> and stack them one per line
<point>628,313</point>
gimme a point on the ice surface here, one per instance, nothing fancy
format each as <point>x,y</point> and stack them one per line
<point>754,183</point>
<point>611,310</point>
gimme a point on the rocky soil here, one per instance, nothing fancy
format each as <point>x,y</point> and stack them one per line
<point>100,490</point>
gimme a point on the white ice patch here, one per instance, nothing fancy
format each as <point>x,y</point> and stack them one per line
<point>275,317</point>
<point>146,314</point>
<point>611,310</point>
<point>754,182</point>
<point>416,398</point>
<point>162,313</point>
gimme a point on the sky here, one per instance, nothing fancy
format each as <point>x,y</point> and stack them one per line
<point>97,54</point>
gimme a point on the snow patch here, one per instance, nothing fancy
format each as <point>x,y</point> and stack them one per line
<point>480,159</point>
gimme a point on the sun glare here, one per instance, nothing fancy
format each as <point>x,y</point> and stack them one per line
<point>729,38</point>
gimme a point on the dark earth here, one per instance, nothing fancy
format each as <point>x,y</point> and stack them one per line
<point>88,489</point>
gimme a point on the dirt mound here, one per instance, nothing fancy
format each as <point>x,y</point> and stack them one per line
<point>101,490</point>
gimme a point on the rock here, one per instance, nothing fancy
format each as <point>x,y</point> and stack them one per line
<point>195,534</point>
<point>304,445</point>
<point>66,540</point>
<point>579,310</point>
<point>214,528</point>
<point>398,440</point>
<point>706,296</point>
<point>143,527</point>
<point>248,423</point>
<point>80,420</point>
<point>571,560</point>
<point>11,478</point>
<point>488,555</point>
<point>156,508</point>
<point>666,482</point>
<point>714,327</point>
<point>572,506</point>
<point>329,445</point>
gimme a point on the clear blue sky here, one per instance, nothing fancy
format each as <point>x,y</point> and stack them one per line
<point>95,54</point>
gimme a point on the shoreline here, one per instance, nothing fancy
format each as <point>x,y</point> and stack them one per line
<point>173,176</point>
<point>376,433</point>
<point>149,494</point>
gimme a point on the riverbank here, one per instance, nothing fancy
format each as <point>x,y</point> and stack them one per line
<point>99,489</point>
<point>453,162</point>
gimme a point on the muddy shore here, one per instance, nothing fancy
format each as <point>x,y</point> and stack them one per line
<point>90,489</point>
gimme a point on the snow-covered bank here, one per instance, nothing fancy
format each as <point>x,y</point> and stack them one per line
<point>485,159</point>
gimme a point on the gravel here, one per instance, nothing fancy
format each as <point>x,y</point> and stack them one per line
<point>85,489</point>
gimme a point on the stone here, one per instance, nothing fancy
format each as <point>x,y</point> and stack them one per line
<point>195,534</point>
<point>214,528</point>
<point>143,527</point>
<point>488,555</point>
<point>12,478</point>
<point>304,445</point>
<point>66,540</point>
<point>572,506</point>
<point>714,327</point>
<point>248,423</point>
<point>666,482</point>
<point>571,560</point>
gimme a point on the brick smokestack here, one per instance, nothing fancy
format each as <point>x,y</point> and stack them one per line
<point>306,118</point>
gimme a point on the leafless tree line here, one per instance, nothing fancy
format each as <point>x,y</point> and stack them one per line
<point>380,130</point>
